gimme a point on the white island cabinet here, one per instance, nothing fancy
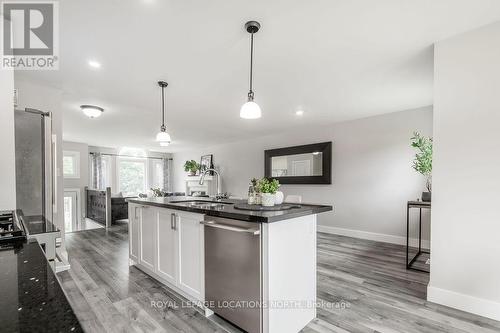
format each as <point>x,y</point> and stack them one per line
<point>255,269</point>
<point>168,245</point>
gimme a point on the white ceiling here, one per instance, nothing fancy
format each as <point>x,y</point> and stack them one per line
<point>335,59</point>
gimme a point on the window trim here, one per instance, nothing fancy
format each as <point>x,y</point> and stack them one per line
<point>75,155</point>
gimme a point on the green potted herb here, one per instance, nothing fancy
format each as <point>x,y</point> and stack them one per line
<point>267,188</point>
<point>192,167</point>
<point>423,161</point>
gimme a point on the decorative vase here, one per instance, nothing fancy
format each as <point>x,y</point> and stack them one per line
<point>258,198</point>
<point>278,198</point>
<point>426,196</point>
<point>267,199</point>
<point>251,196</point>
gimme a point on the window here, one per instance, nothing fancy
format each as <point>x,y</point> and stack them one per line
<point>107,174</point>
<point>157,174</point>
<point>132,176</point>
<point>71,164</point>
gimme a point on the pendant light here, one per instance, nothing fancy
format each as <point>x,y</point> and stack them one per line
<point>163,137</point>
<point>251,110</point>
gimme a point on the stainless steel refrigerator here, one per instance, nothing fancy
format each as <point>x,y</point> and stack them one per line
<point>34,167</point>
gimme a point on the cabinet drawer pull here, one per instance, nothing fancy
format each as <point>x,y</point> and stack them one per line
<point>173,221</point>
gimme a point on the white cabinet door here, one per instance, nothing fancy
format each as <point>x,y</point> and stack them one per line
<point>166,262</point>
<point>147,232</point>
<point>133,232</point>
<point>191,254</point>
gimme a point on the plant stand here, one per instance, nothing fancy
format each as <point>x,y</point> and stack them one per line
<point>419,205</point>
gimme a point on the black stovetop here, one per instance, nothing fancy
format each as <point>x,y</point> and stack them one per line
<point>11,230</point>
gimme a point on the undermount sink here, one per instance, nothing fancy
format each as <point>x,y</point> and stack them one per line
<point>202,203</point>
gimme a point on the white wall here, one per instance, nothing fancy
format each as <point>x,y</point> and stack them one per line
<point>465,269</point>
<point>82,181</point>
<point>7,146</point>
<point>372,174</point>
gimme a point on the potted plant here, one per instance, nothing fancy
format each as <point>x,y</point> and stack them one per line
<point>192,167</point>
<point>423,161</point>
<point>253,192</point>
<point>267,189</point>
<point>157,192</point>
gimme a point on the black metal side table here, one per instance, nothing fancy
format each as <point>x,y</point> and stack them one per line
<point>419,205</point>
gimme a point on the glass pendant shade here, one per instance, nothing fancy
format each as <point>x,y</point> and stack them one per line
<point>163,138</point>
<point>250,110</point>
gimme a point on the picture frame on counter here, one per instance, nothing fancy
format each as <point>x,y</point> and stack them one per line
<point>206,162</point>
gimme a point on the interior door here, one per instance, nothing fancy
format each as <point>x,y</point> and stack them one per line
<point>70,211</point>
<point>147,234</point>
<point>166,255</point>
<point>191,254</point>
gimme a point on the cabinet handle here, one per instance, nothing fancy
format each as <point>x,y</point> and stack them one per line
<point>212,224</point>
<point>172,221</point>
<point>135,212</point>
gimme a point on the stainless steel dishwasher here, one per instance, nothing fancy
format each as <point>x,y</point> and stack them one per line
<point>233,283</point>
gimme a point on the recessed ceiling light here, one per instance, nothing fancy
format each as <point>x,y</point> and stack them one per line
<point>91,111</point>
<point>94,64</point>
<point>299,113</point>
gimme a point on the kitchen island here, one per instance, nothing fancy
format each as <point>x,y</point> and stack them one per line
<point>256,269</point>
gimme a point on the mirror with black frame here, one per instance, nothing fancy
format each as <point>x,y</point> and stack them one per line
<point>306,164</point>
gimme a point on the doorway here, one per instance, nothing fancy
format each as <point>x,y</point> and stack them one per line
<point>71,206</point>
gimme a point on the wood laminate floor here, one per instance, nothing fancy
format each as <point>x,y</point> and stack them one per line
<point>363,286</point>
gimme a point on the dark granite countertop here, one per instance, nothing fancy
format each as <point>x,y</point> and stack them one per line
<point>226,209</point>
<point>31,299</point>
<point>36,224</point>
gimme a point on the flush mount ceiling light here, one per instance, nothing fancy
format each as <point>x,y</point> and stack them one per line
<point>163,137</point>
<point>94,64</point>
<point>299,113</point>
<point>251,110</point>
<point>92,111</point>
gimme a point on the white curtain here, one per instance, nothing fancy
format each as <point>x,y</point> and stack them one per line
<point>167,174</point>
<point>97,172</point>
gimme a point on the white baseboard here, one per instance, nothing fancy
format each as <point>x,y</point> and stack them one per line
<point>370,236</point>
<point>479,306</point>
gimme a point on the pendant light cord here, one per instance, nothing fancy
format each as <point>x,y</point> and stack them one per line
<point>163,108</point>
<point>250,93</point>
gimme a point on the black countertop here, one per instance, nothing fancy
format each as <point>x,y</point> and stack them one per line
<point>31,299</point>
<point>226,209</point>
<point>36,224</point>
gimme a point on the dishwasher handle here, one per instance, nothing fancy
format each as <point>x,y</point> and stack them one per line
<point>212,224</point>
